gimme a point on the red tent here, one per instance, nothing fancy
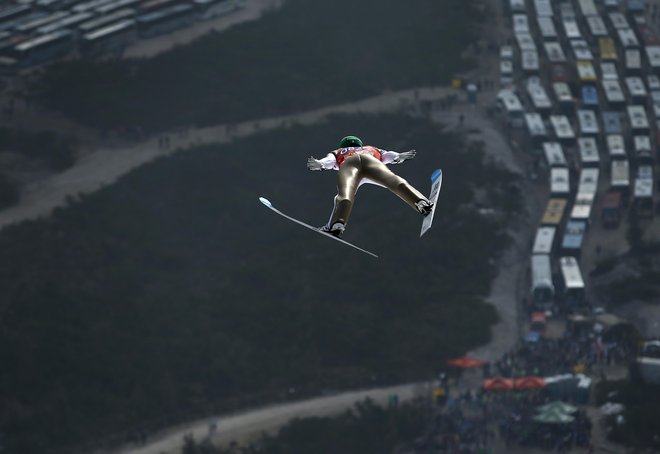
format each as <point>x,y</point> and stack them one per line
<point>529,383</point>
<point>465,362</point>
<point>498,384</point>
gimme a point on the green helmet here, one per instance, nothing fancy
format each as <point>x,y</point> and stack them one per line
<point>350,141</point>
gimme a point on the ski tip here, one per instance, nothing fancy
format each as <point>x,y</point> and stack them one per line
<point>266,202</point>
<point>437,173</point>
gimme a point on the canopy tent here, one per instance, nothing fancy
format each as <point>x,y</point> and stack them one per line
<point>465,362</point>
<point>553,417</point>
<point>555,406</point>
<point>498,384</point>
<point>529,383</point>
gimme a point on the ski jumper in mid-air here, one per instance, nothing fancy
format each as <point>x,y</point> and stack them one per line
<point>357,164</point>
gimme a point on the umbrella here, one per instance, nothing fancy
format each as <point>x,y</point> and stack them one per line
<point>465,362</point>
<point>533,336</point>
<point>498,384</point>
<point>553,417</point>
<point>557,405</point>
<point>529,383</point>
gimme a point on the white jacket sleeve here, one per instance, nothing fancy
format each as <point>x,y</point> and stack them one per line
<point>388,157</point>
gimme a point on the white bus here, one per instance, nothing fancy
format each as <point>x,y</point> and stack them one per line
<point>530,61</point>
<point>643,150</point>
<point>544,241</point>
<point>633,61</point>
<point>547,27</point>
<point>539,97</point>
<point>543,8</point>
<point>111,39</point>
<point>618,20</point>
<point>639,122</point>
<point>30,26</point>
<point>620,175</point>
<point>108,8</point>
<point>588,150</point>
<point>517,6</point>
<point>559,182</point>
<point>653,82</point>
<point>543,289</point>
<point>509,102</point>
<point>554,52</point>
<point>588,8</point>
<point>571,28</point>
<point>581,50</point>
<point>627,38</point>
<point>64,23</point>
<point>520,23</point>
<point>554,154</point>
<point>573,284</point>
<point>596,26</point>
<point>653,56</point>
<point>589,181</point>
<point>587,122</point>
<point>535,126</point>
<point>643,192</point>
<point>608,70</point>
<point>562,127</point>
<point>582,207</point>
<point>566,11</point>
<point>525,42</point>
<point>636,89</point>
<point>613,93</point>
<point>563,94</point>
<point>616,147</point>
<point>102,21</point>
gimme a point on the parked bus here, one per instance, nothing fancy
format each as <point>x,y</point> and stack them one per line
<point>563,95</point>
<point>653,57</point>
<point>582,206</point>
<point>581,50</point>
<point>554,154</point>
<point>535,126</point>
<point>607,50</point>
<point>589,97</point>
<point>586,72</point>
<point>643,150</point>
<point>525,42</point>
<point>32,25</point>
<point>588,150</point>
<point>517,6</point>
<point>108,8</point>
<point>103,21</point>
<point>571,28</point>
<point>572,281</point>
<point>636,89</point>
<point>44,48</point>
<point>520,23</point>
<point>616,147</point>
<point>587,122</point>
<point>643,193</point>
<point>539,97</point>
<point>589,181</point>
<point>554,52</point>
<point>618,20</point>
<point>573,238</point>
<point>627,38</point>
<point>543,8</point>
<point>587,8</point>
<point>14,12</point>
<point>647,35</point>
<point>509,102</point>
<point>65,23</point>
<point>612,123</point>
<point>613,93</point>
<point>611,210</point>
<point>633,61</point>
<point>559,182</point>
<point>609,71</point>
<point>543,288</point>
<point>530,61</point>
<point>562,127</point>
<point>562,72</point>
<point>544,240</point>
<point>547,28</point>
<point>109,40</point>
<point>554,212</point>
<point>620,178</point>
<point>639,122</point>
<point>596,27</point>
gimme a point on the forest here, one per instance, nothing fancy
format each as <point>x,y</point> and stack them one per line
<point>174,294</point>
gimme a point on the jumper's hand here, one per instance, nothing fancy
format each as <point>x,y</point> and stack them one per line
<point>314,164</point>
<point>405,156</point>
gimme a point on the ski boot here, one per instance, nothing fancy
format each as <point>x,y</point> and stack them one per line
<point>424,207</point>
<point>337,229</point>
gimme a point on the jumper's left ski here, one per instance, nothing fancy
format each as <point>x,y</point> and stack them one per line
<point>266,202</point>
<point>436,182</point>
